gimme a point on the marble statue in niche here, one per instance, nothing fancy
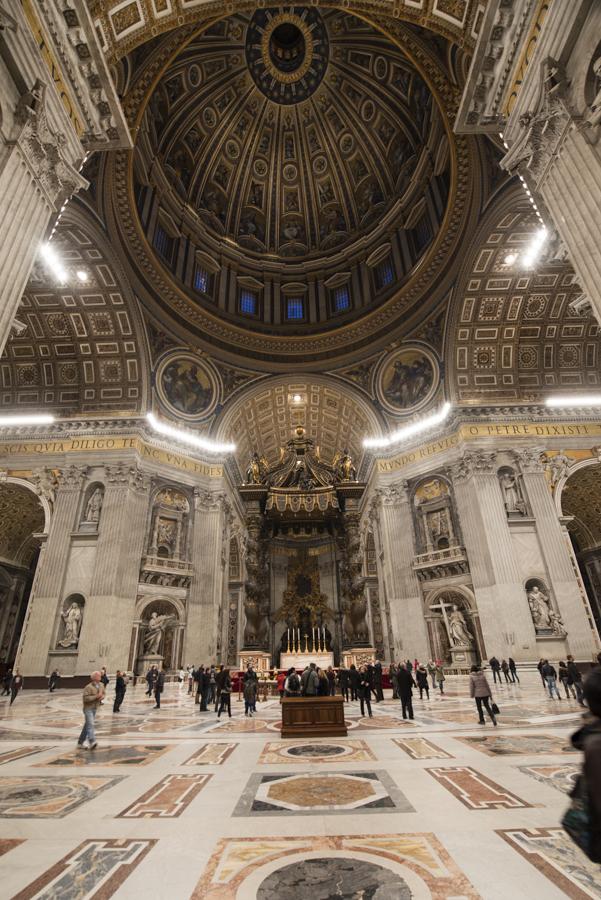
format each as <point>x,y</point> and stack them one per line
<point>557,465</point>
<point>94,506</point>
<point>72,620</point>
<point>155,629</point>
<point>539,607</point>
<point>512,493</point>
<point>458,630</point>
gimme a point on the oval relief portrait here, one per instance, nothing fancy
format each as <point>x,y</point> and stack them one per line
<point>407,379</point>
<point>187,386</point>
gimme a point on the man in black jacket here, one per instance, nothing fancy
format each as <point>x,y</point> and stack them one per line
<point>158,688</point>
<point>495,666</point>
<point>575,678</point>
<point>120,688</point>
<point>354,679</point>
<point>343,682</point>
<point>405,688</point>
<point>550,675</point>
<point>378,681</point>
<point>205,687</point>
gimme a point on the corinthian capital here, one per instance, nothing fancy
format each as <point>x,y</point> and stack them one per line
<point>210,500</point>
<point>72,477</point>
<point>394,494</point>
<point>475,462</point>
<point>530,460</point>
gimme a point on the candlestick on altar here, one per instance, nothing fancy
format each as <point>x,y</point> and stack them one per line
<point>287,640</point>
<point>298,640</point>
<point>313,637</point>
<point>306,643</point>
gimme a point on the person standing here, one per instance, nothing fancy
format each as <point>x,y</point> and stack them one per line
<point>120,688</point>
<point>92,698</point>
<point>6,680</point>
<point>564,678</point>
<point>150,676</point>
<point>354,680</point>
<point>481,693</point>
<point>331,676</point>
<point>432,673</point>
<point>343,682</point>
<point>588,739</point>
<point>364,691</point>
<point>190,678</point>
<point>392,674</point>
<point>16,685</point>
<point>439,676</point>
<point>406,685</point>
<point>104,678</point>
<point>324,687</point>
<point>576,679</point>
<point>53,681</point>
<point>513,671</point>
<point>495,667</point>
<point>540,665</point>
<point>212,686</point>
<point>505,670</point>
<point>158,688</point>
<point>292,686</point>
<point>205,687</point>
<point>370,677</point>
<point>219,679</point>
<point>250,696</point>
<point>310,681</point>
<point>281,680</point>
<point>225,694</point>
<point>378,675</point>
<point>421,676</point>
<point>550,675</point>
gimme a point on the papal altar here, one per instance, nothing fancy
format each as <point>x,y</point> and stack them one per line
<point>302,660</point>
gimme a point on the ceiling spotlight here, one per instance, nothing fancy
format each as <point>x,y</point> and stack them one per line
<point>34,419</point>
<point>297,398</point>
<point>83,276</point>
<point>187,437</point>
<point>574,400</point>
<point>510,259</point>
<point>410,430</point>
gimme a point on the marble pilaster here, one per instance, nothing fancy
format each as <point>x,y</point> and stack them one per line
<point>399,577</point>
<point>47,591</point>
<point>110,607</point>
<point>569,601</point>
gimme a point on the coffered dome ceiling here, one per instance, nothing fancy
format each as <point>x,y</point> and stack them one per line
<point>294,175</point>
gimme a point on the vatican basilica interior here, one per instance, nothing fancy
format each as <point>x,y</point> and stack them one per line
<point>300,336</point>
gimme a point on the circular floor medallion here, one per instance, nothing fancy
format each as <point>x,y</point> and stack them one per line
<point>324,879</point>
<point>317,750</point>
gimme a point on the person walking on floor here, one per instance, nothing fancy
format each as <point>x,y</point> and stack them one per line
<point>250,696</point>
<point>53,681</point>
<point>219,679</point>
<point>439,676</point>
<point>226,695</point>
<point>406,685</point>
<point>539,666</point>
<point>370,677</point>
<point>432,673</point>
<point>481,692</point>
<point>505,670</point>
<point>354,681</point>
<point>421,676</point>
<point>120,688</point>
<point>92,698</point>
<point>158,688</point>
<point>575,677</point>
<point>16,685</point>
<point>564,679</point>
<point>513,670</point>
<point>343,682</point>
<point>364,691</point>
<point>495,667</point>
<point>550,675</point>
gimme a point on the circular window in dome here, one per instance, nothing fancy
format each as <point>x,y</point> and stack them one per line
<point>287,52</point>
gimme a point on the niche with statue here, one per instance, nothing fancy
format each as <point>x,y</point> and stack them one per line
<point>91,510</point>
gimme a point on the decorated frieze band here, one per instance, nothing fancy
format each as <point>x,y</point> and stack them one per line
<point>467,433</point>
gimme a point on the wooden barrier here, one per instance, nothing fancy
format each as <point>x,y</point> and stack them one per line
<point>313,717</point>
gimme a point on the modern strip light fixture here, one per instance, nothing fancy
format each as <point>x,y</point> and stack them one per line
<point>187,437</point>
<point>574,400</point>
<point>410,430</point>
<point>34,419</point>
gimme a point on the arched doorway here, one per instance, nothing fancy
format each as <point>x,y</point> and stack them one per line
<point>581,501</point>
<point>22,521</point>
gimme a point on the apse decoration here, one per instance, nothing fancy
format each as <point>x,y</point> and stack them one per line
<point>407,379</point>
<point>187,386</point>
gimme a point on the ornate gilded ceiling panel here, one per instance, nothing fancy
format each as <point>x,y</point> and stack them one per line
<point>581,498</point>
<point>512,335</point>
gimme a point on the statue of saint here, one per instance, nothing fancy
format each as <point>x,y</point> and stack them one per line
<point>558,466</point>
<point>344,467</point>
<point>539,607</point>
<point>459,634</point>
<point>557,624</point>
<point>72,620</point>
<point>511,493</point>
<point>155,628</point>
<point>94,506</point>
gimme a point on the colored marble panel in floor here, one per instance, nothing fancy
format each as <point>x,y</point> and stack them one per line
<point>167,799</point>
<point>326,793</point>
<point>562,777</point>
<point>558,858</point>
<point>210,755</point>
<point>397,867</point>
<point>46,797</point>
<point>420,748</point>
<point>6,735</point>
<point>475,790</point>
<point>384,722</point>
<point>136,755</point>
<point>518,744</point>
<point>316,753</point>
<point>96,868</point>
<point>7,844</point>
<point>20,753</point>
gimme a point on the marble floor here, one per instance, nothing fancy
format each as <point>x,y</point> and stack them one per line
<point>176,804</point>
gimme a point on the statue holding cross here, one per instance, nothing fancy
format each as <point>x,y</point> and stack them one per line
<point>455,624</point>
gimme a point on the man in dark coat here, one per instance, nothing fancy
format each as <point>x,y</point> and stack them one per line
<point>120,688</point>
<point>378,681</point>
<point>495,666</point>
<point>150,680</point>
<point>575,679</point>
<point>354,679</point>
<point>370,677</point>
<point>406,685</point>
<point>343,682</point>
<point>205,687</point>
<point>159,684</point>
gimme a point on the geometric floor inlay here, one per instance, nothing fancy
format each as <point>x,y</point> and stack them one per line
<point>96,868</point>
<point>46,797</point>
<point>554,854</point>
<point>475,790</point>
<point>515,744</point>
<point>420,748</point>
<point>19,753</point>
<point>562,777</point>
<point>137,755</point>
<point>382,867</point>
<point>310,752</point>
<point>167,799</point>
<point>210,755</point>
<point>325,793</point>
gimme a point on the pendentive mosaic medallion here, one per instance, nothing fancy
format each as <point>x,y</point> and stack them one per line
<point>187,386</point>
<point>407,379</point>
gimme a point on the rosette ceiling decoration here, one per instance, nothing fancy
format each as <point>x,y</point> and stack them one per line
<point>294,176</point>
